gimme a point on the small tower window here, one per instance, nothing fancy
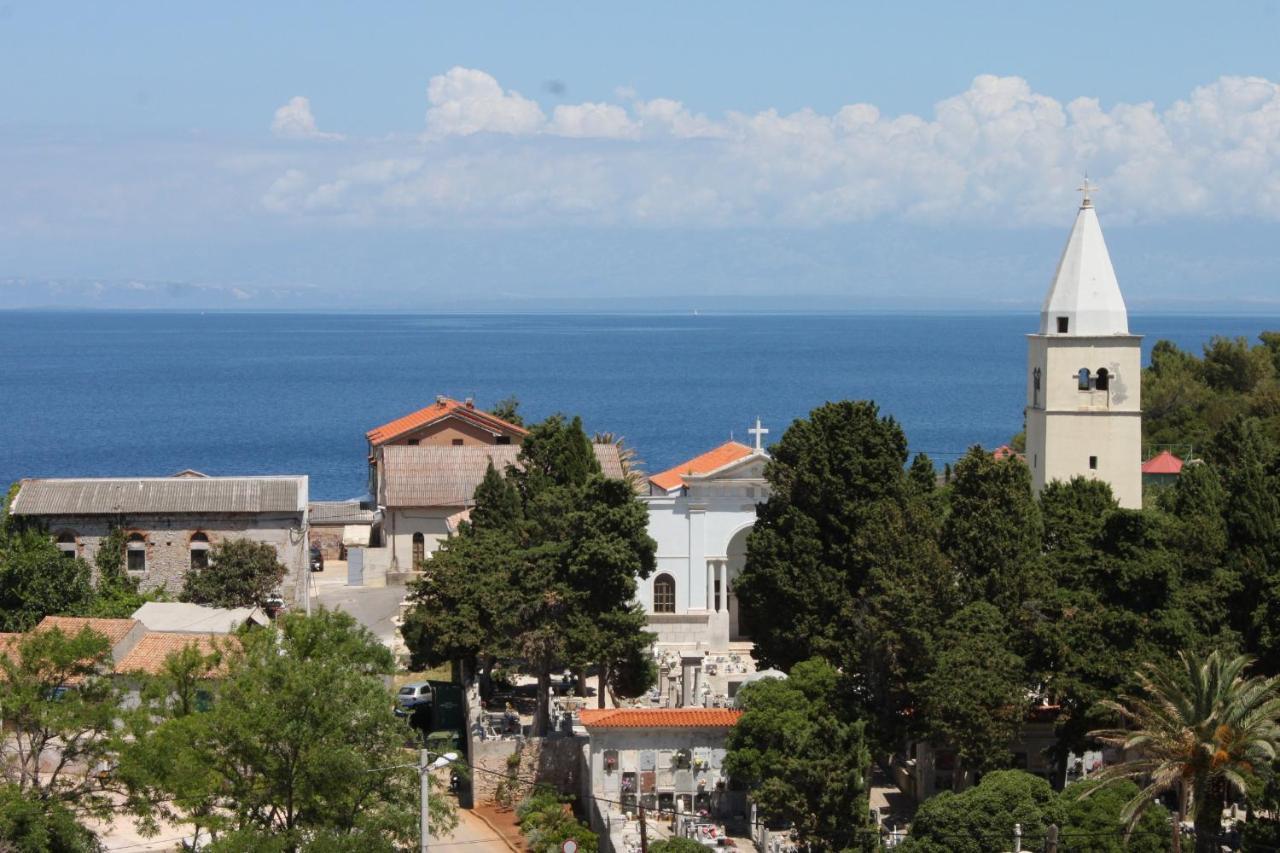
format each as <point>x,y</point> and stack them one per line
<point>1082,379</point>
<point>664,594</point>
<point>419,548</point>
<point>1035,382</point>
<point>1093,463</point>
<point>1103,382</point>
<point>136,553</point>
<point>1063,324</point>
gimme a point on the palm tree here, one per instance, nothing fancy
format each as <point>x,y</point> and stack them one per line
<point>632,471</point>
<point>1195,732</point>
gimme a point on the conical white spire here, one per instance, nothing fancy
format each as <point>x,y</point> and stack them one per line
<point>1085,290</point>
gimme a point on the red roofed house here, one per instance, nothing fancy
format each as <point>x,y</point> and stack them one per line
<point>665,759</point>
<point>425,466</point>
<point>1161,469</point>
<point>700,513</point>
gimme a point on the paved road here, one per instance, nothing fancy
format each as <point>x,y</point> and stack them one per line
<point>373,607</point>
<point>472,834</point>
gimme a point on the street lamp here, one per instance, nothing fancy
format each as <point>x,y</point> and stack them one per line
<point>425,766</point>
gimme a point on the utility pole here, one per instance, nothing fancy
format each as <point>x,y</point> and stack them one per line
<point>424,774</point>
<point>644,831</point>
<point>1017,838</point>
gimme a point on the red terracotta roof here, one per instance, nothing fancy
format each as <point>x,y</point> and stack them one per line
<point>730,451</point>
<point>156,646</point>
<point>443,407</point>
<point>673,718</point>
<point>1004,451</point>
<point>1162,463</point>
<point>114,630</point>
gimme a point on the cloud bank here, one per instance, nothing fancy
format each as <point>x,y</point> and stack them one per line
<point>997,153</point>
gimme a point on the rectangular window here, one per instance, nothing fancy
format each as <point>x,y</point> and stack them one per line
<point>1063,322</point>
<point>137,560</point>
<point>413,442</point>
<point>457,442</point>
<point>504,439</point>
<point>1093,463</point>
<point>199,558</point>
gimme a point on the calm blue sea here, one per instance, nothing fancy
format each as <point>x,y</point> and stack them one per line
<point>99,394</point>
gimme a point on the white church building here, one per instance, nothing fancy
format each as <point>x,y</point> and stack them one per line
<point>700,513</point>
<point>1084,373</point>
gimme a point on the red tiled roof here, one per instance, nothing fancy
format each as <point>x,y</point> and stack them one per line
<point>730,451</point>
<point>1162,463</point>
<point>443,407</point>
<point>645,718</point>
<point>1004,451</point>
<point>155,647</point>
<point>114,630</point>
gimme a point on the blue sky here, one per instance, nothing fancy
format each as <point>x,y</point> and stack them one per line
<point>435,155</point>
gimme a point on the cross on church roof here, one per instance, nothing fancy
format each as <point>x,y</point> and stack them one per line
<point>1086,191</point>
<point>759,432</point>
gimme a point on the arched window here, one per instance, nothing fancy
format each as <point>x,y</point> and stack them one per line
<point>419,548</point>
<point>664,594</point>
<point>1103,381</point>
<point>67,544</point>
<point>136,553</point>
<point>199,551</point>
<point>1083,379</point>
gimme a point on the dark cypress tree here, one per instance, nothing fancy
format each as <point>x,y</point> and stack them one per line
<point>923,476</point>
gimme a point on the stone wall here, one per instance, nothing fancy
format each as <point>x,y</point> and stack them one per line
<point>329,540</point>
<point>557,762</point>
<point>168,543</point>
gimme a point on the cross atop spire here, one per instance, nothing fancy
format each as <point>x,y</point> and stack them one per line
<point>759,432</point>
<point>1086,191</point>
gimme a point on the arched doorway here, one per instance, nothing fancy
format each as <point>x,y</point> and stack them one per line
<point>739,627</point>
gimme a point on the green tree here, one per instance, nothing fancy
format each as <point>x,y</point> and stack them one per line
<point>981,819</point>
<point>299,749</point>
<point>1092,818</point>
<point>975,699</point>
<point>833,476</point>
<point>508,409</point>
<point>676,845</point>
<point>29,824</point>
<point>38,580</point>
<point>61,712</point>
<point>1198,733</point>
<point>993,532</point>
<point>545,574</point>
<point>804,761</point>
<point>1232,365</point>
<point>922,473</point>
<point>547,821</point>
<point>241,573</point>
<point>116,593</point>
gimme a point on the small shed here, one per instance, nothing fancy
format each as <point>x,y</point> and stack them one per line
<point>1161,469</point>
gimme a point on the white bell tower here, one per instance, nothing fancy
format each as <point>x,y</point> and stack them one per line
<point>1084,372</point>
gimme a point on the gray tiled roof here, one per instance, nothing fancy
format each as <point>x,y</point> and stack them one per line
<point>428,475</point>
<point>161,496</point>
<point>338,512</point>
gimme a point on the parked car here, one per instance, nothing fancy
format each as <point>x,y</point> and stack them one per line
<point>412,695</point>
<point>317,559</point>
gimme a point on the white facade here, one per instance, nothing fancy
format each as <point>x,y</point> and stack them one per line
<point>1084,373</point>
<point>701,527</point>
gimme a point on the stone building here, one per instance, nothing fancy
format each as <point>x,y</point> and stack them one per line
<point>172,522</point>
<point>424,469</point>
<point>700,513</point>
<point>1084,373</point>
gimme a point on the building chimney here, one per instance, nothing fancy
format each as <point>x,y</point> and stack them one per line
<point>440,399</point>
<point>471,402</point>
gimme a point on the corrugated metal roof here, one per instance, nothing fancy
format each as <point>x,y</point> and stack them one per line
<point>424,475</point>
<point>338,513</point>
<point>161,496</point>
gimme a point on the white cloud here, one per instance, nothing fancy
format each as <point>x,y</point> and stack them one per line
<point>295,121</point>
<point>466,101</point>
<point>597,121</point>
